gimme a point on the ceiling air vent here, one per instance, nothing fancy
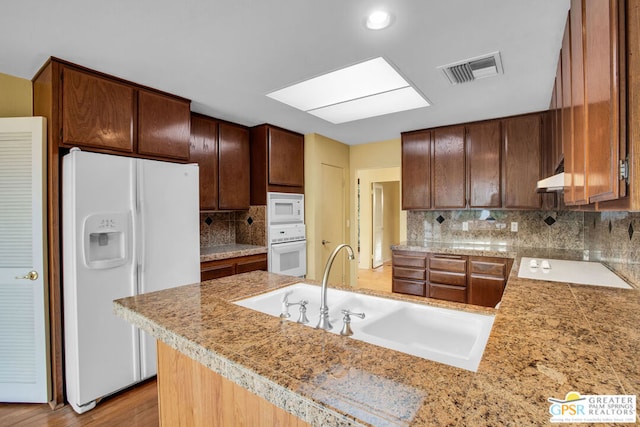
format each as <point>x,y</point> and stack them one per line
<point>472,69</point>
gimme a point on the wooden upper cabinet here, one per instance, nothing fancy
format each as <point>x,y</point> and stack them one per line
<point>96,111</point>
<point>277,162</point>
<point>522,161</point>
<point>107,114</point>
<point>233,167</point>
<point>163,125</point>
<point>601,71</point>
<point>221,150</point>
<point>566,113</point>
<point>416,170</point>
<point>449,177</point>
<point>204,151</point>
<point>557,141</point>
<point>286,158</point>
<point>577,158</point>
<point>484,147</point>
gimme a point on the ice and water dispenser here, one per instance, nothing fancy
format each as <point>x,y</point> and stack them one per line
<point>106,237</point>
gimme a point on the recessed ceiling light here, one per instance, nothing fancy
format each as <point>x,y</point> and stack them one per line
<point>378,20</point>
<point>368,89</point>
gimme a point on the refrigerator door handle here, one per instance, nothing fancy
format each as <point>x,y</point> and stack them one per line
<point>141,237</point>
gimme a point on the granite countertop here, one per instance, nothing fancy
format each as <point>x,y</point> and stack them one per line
<point>547,339</point>
<point>212,253</point>
<point>492,250</point>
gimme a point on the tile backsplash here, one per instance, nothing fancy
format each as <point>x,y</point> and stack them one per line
<point>225,228</point>
<point>611,237</point>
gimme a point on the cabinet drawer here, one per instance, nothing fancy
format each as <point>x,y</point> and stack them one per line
<point>489,268</point>
<point>453,263</point>
<point>252,265</point>
<point>410,260</point>
<point>409,287</point>
<point>217,272</point>
<point>444,277</point>
<point>409,273</point>
<point>449,293</point>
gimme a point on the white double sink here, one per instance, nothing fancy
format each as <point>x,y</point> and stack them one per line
<point>456,338</point>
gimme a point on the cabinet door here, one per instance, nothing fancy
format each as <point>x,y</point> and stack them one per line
<point>233,166</point>
<point>204,151</point>
<point>602,95</point>
<point>522,161</point>
<point>578,154</point>
<point>286,158</point>
<point>484,147</point>
<point>566,114</point>
<point>557,142</point>
<point>487,278</point>
<point>163,126</point>
<point>449,180</point>
<point>96,112</point>
<point>416,170</point>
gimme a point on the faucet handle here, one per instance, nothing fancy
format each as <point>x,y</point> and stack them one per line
<point>303,312</point>
<point>346,328</point>
<point>347,313</point>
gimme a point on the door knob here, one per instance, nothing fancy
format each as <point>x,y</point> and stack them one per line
<point>32,275</point>
<point>324,242</point>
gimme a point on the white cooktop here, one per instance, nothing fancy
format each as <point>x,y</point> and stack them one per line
<point>581,272</point>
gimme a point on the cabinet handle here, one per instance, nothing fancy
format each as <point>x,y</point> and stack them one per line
<point>447,256</point>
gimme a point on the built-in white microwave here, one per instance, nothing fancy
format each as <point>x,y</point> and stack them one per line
<point>285,208</point>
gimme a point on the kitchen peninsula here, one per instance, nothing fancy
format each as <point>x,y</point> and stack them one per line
<point>547,339</point>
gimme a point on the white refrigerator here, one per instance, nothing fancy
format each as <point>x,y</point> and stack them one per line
<point>129,226</point>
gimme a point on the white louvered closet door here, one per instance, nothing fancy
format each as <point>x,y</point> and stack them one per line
<point>24,357</point>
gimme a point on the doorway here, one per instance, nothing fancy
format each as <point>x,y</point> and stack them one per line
<point>391,227</point>
<point>385,220</point>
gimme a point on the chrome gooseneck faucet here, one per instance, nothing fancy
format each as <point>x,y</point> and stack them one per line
<point>324,323</point>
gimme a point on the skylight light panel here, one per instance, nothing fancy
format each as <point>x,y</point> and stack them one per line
<point>394,101</point>
<point>370,88</point>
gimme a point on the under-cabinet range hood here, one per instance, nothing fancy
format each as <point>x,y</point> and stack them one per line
<point>552,183</point>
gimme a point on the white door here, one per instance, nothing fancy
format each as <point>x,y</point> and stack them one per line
<point>378,225</point>
<point>24,356</point>
<point>332,223</point>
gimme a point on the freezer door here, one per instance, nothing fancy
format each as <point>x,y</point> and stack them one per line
<point>101,349</point>
<point>169,254</point>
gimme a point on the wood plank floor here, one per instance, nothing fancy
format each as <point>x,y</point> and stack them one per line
<point>378,279</point>
<point>135,407</point>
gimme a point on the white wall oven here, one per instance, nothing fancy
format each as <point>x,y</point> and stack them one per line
<point>288,250</point>
<point>286,234</point>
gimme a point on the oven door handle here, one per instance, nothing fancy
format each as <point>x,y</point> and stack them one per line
<point>288,244</point>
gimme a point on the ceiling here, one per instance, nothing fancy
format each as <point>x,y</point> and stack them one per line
<point>226,55</point>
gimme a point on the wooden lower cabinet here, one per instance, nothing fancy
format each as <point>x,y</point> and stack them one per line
<point>487,279</point>
<point>190,394</point>
<point>216,269</point>
<point>409,273</point>
<point>467,279</point>
<point>448,277</point>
